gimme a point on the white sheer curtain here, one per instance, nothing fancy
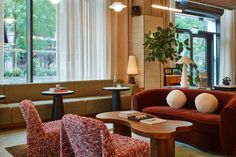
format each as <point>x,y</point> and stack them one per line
<point>228,46</point>
<point>82,49</point>
<point>1,41</point>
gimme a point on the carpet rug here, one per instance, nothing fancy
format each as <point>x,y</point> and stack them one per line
<point>182,150</point>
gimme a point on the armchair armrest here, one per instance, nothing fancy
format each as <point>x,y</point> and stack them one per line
<point>147,98</point>
<point>228,128</point>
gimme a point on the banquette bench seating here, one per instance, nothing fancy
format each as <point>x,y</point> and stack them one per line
<point>214,132</point>
<point>88,99</point>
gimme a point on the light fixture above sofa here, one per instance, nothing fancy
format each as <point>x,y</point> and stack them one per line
<point>117,6</point>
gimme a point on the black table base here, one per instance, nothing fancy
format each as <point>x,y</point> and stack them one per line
<point>58,107</point>
<point>116,102</point>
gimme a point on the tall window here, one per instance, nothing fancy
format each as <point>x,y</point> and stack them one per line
<point>80,27</point>
<point>44,41</point>
<point>203,37</point>
<point>14,47</point>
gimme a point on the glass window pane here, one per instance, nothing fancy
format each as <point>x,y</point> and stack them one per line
<point>44,37</point>
<point>195,23</point>
<point>199,53</point>
<point>14,47</point>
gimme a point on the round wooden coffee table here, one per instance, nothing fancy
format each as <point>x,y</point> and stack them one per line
<point>58,106</point>
<point>162,135</point>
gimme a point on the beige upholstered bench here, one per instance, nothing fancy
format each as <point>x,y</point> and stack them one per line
<point>88,99</point>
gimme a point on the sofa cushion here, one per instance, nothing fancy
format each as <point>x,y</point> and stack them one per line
<point>206,103</point>
<point>201,121</point>
<point>176,99</point>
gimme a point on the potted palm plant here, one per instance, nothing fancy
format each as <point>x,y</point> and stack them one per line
<point>165,44</point>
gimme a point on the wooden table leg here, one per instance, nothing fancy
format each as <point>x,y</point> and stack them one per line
<point>162,147</point>
<point>58,107</point>
<point>122,130</point>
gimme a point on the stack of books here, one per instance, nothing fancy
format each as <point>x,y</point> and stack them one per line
<point>141,117</point>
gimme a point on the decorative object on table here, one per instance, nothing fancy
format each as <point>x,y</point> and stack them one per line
<point>165,44</point>
<point>132,69</point>
<point>202,80</point>
<point>226,81</point>
<point>140,116</point>
<point>117,6</point>
<point>114,81</point>
<point>185,61</point>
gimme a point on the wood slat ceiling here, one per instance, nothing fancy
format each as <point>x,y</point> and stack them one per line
<point>226,4</point>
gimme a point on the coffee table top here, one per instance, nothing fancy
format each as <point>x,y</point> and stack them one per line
<point>66,92</point>
<point>160,131</point>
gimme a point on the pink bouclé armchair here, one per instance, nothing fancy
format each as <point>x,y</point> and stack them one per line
<point>43,139</point>
<point>88,137</point>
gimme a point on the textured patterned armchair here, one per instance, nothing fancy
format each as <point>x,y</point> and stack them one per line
<point>43,139</point>
<point>88,137</point>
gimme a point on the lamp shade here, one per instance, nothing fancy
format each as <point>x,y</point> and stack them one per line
<point>184,60</point>
<point>117,6</point>
<point>132,66</point>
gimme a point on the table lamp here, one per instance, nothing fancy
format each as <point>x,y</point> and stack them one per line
<point>132,69</point>
<point>184,78</point>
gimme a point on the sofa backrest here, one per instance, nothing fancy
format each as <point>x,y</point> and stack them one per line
<point>155,97</point>
<point>32,91</point>
<point>223,97</point>
<point>91,88</point>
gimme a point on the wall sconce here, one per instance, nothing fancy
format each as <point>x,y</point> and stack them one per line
<point>117,6</point>
<point>132,69</point>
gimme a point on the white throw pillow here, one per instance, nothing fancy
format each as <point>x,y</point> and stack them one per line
<point>206,103</point>
<point>176,99</point>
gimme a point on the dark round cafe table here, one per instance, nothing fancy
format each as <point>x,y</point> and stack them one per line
<point>58,106</point>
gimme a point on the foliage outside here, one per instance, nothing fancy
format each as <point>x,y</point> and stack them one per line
<point>44,29</point>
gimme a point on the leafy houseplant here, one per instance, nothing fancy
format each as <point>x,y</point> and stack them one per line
<point>164,44</point>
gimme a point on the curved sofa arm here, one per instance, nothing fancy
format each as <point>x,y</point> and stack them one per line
<point>147,98</point>
<point>228,128</point>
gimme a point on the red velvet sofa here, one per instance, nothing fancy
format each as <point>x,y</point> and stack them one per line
<point>211,132</point>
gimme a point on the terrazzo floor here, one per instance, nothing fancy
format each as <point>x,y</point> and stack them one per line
<point>18,137</point>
